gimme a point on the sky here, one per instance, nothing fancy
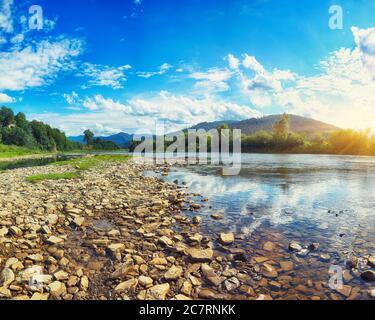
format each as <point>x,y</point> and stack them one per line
<point>113,66</point>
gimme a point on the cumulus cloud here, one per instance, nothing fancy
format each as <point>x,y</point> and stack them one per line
<point>4,98</point>
<point>342,91</point>
<point>176,111</point>
<point>233,62</point>
<point>213,80</point>
<point>104,76</point>
<point>101,104</point>
<point>36,65</point>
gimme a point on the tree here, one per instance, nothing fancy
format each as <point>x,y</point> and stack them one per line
<point>88,137</point>
<point>6,116</point>
<point>20,121</point>
<point>281,128</point>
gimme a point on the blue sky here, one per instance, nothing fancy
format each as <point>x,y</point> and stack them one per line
<point>122,65</point>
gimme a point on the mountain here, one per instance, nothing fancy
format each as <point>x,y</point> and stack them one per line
<point>122,139</point>
<point>297,124</point>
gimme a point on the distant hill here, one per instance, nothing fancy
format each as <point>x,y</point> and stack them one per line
<point>122,139</point>
<point>297,124</point>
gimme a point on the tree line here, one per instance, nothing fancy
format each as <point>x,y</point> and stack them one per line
<point>16,130</point>
<point>282,140</point>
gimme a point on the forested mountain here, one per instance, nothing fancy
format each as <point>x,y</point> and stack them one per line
<point>15,129</point>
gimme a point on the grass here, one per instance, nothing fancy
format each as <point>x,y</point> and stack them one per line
<point>90,162</point>
<point>52,176</point>
<point>14,151</point>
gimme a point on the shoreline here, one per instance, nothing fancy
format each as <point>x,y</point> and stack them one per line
<point>117,234</point>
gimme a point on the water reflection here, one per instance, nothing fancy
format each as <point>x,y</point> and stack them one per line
<point>326,198</point>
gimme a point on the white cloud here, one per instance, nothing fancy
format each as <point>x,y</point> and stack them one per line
<point>100,103</point>
<point>233,62</point>
<point>341,92</point>
<point>176,111</point>
<point>36,65</point>
<point>162,70</point>
<point>4,98</point>
<point>6,20</point>
<point>104,76</point>
<point>251,63</point>
<point>71,98</point>
<point>213,80</point>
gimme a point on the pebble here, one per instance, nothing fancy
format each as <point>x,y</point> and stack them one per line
<point>226,238</point>
<point>158,292</point>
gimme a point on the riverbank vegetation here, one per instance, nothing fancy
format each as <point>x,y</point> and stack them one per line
<point>19,137</point>
<point>85,163</point>
<point>52,176</point>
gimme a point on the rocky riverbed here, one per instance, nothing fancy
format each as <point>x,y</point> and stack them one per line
<point>117,234</point>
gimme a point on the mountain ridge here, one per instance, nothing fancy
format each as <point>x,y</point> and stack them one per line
<point>298,124</point>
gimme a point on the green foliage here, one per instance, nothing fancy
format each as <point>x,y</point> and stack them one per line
<point>6,117</point>
<point>14,151</point>
<point>86,163</point>
<point>52,176</point>
<point>16,130</point>
<point>281,128</point>
<point>88,137</point>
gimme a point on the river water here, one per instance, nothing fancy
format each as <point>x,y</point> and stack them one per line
<point>322,199</point>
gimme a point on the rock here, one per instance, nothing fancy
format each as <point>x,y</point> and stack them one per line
<point>116,247</point>
<point>79,221</point>
<point>275,286</point>
<point>15,231</point>
<point>54,240</point>
<point>186,288</point>
<point>40,296</point>
<point>166,241</point>
<point>159,261</point>
<point>3,232</point>
<point>29,273</point>
<point>352,262</point>
<point>217,216</point>
<point>371,293</point>
<point>5,293</point>
<point>206,294</point>
<point>287,265</point>
<point>295,246</point>
<point>269,271</point>
<point>35,257</point>
<point>128,285</point>
<point>181,297</point>
<point>61,275</point>
<point>325,257</point>
<point>7,277</point>
<point>84,283</point>
<point>231,284</point>
<point>57,288</point>
<point>158,292</point>
<point>226,238</point>
<point>52,219</point>
<point>371,261</point>
<point>211,276</point>
<point>201,255</point>
<point>314,246</point>
<point>269,246</point>
<point>197,220</point>
<point>368,275</point>
<point>174,273</point>
<point>345,290</point>
<point>145,281</point>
